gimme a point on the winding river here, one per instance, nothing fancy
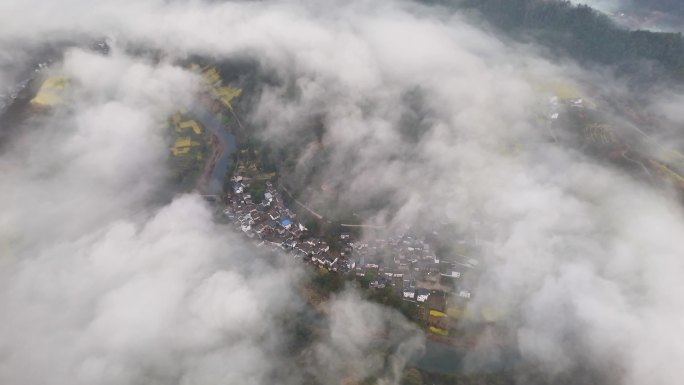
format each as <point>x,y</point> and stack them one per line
<point>226,140</point>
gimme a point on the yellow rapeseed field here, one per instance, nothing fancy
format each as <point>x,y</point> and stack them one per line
<point>436,313</point>
<point>222,92</point>
<point>50,92</point>
<point>438,331</point>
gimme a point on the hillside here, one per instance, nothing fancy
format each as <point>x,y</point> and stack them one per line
<point>585,34</point>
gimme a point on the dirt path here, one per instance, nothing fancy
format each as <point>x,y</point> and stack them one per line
<point>317,215</point>
<point>363,226</point>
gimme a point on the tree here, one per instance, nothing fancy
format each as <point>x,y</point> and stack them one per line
<point>328,282</point>
<point>256,190</point>
<point>412,377</point>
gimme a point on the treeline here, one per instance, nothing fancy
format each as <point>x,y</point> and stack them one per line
<point>582,32</point>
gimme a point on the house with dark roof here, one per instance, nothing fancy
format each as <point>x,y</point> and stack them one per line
<point>422,295</point>
<point>409,293</point>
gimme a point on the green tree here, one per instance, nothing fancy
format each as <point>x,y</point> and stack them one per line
<point>256,190</point>
<point>412,377</point>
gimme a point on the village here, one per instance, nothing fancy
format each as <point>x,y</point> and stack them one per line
<point>247,195</point>
<point>251,201</point>
<point>405,264</point>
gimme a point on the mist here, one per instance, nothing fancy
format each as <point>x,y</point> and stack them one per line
<point>110,278</point>
<point>655,15</point>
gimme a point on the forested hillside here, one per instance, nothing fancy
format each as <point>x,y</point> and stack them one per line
<point>668,6</point>
<point>584,33</point>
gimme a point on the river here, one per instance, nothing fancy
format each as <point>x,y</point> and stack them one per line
<point>226,140</point>
<point>445,359</point>
<point>441,358</point>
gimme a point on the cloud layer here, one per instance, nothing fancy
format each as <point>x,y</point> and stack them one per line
<point>103,282</point>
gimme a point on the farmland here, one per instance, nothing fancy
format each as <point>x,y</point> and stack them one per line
<point>51,92</point>
<point>190,149</point>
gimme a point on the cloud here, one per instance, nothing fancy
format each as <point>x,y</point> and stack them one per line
<point>169,301</point>
<point>102,282</point>
<point>103,157</point>
<point>107,277</point>
<point>365,339</point>
<point>438,120</point>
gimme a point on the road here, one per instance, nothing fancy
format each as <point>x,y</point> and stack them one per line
<point>317,215</point>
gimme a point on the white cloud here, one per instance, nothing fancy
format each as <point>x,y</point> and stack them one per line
<point>101,284</point>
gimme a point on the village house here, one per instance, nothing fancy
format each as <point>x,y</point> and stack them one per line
<point>422,295</point>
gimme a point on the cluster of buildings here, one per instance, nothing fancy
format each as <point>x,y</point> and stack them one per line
<point>406,263</point>
<point>271,224</point>
<point>410,265</point>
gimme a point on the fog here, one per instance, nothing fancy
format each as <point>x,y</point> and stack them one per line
<point>654,15</point>
<point>608,5</point>
<point>105,279</point>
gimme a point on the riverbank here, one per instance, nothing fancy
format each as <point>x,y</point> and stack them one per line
<point>224,145</point>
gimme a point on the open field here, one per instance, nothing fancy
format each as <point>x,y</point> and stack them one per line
<point>50,92</point>
<point>190,149</point>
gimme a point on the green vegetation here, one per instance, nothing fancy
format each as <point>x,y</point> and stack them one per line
<point>190,149</point>
<point>368,277</point>
<point>673,7</point>
<point>389,297</point>
<point>328,283</point>
<point>256,190</point>
<point>250,163</point>
<point>412,377</point>
<point>496,378</point>
<point>583,32</point>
